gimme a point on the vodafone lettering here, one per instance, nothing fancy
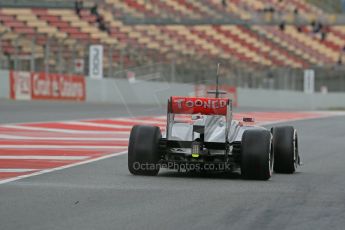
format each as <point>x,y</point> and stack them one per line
<point>193,105</point>
<point>54,87</point>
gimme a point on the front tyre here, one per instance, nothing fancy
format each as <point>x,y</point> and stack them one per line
<point>285,148</point>
<point>257,157</point>
<point>143,154</point>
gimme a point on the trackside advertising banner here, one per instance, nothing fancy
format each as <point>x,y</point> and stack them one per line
<point>41,86</point>
<point>20,85</point>
<point>96,61</point>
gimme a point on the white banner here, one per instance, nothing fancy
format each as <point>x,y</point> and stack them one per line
<point>131,77</point>
<point>96,62</point>
<point>79,65</point>
<point>21,83</point>
<point>309,81</point>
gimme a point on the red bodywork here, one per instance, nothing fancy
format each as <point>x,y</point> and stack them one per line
<point>199,105</point>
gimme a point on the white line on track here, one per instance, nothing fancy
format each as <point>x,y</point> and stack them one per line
<point>60,168</point>
<point>59,147</point>
<point>39,157</point>
<point>153,117</point>
<point>265,123</point>
<point>62,130</point>
<point>15,137</point>
<point>15,171</point>
<point>84,123</point>
<point>162,123</point>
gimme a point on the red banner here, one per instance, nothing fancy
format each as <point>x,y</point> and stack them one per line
<point>195,105</point>
<point>41,86</point>
<point>57,87</point>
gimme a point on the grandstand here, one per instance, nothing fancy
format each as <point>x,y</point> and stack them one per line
<point>51,35</point>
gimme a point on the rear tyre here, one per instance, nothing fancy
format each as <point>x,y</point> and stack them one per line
<point>257,157</point>
<point>143,154</point>
<point>285,148</point>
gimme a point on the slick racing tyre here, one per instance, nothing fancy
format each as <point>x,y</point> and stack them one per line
<point>285,148</point>
<point>143,154</point>
<point>257,156</point>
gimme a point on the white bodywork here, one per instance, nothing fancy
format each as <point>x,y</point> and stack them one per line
<point>215,130</point>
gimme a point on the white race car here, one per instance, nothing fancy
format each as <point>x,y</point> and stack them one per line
<point>201,135</point>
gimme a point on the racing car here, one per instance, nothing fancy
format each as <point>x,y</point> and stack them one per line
<point>200,132</point>
<point>202,135</point>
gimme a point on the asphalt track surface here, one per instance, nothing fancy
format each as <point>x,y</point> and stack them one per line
<point>103,195</point>
<point>35,111</point>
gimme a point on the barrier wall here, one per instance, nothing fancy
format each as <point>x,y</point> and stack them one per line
<point>42,86</point>
<point>151,93</point>
<point>4,84</point>
<point>283,99</point>
<point>121,91</point>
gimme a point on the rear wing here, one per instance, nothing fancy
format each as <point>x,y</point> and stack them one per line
<point>199,105</point>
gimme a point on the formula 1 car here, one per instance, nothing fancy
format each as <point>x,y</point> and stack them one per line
<point>201,135</point>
